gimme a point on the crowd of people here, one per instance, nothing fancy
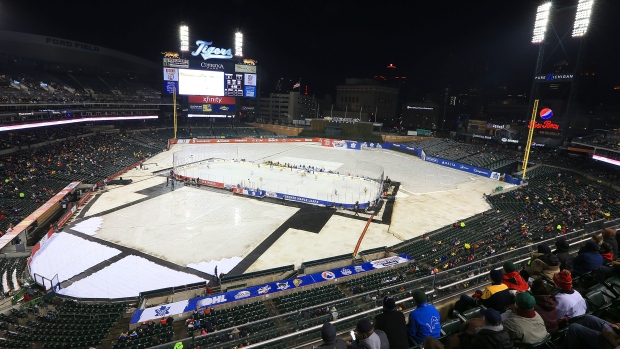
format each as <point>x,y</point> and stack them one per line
<point>522,305</point>
<point>31,176</point>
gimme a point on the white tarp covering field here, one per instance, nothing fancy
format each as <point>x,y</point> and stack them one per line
<point>89,226</point>
<point>68,255</point>
<point>127,278</point>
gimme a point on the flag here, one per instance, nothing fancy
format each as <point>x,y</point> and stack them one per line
<point>296,86</point>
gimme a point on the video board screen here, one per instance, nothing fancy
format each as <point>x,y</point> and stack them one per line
<point>201,82</point>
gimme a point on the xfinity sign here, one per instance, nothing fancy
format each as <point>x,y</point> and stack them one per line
<point>207,51</point>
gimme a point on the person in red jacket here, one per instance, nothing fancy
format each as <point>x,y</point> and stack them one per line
<point>513,279</point>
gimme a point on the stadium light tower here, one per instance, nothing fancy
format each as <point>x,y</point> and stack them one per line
<point>238,44</point>
<point>540,28</point>
<point>541,23</point>
<point>184,37</point>
<point>582,17</point>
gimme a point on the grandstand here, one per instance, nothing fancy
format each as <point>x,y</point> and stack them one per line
<point>461,227</point>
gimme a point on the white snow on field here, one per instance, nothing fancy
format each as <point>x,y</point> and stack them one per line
<point>89,226</point>
<point>68,255</point>
<point>127,278</point>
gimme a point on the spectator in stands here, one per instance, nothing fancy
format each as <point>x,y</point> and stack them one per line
<point>513,279</point>
<point>496,296</point>
<point>328,334</point>
<point>366,337</point>
<point>544,266</point>
<point>491,335</point>
<point>609,236</point>
<point>606,251</point>
<point>570,302</point>
<point>424,320</point>
<point>546,305</point>
<point>561,250</point>
<point>592,333</point>
<point>588,259</point>
<point>523,324</point>
<point>334,313</point>
<point>393,323</point>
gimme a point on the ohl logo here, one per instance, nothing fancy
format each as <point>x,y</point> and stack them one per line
<point>546,113</point>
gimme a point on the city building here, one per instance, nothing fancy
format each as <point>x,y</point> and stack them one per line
<point>287,108</point>
<point>370,99</point>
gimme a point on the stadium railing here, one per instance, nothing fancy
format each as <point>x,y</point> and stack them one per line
<point>262,276</point>
<point>440,287</point>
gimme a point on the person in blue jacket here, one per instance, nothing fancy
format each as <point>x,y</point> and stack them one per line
<point>424,321</point>
<point>588,259</point>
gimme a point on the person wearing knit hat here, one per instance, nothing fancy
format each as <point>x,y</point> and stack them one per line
<point>524,325</point>
<point>392,322</point>
<point>570,302</point>
<point>424,320</point>
<point>512,279</point>
<point>561,250</point>
<point>543,249</point>
<point>328,334</point>
<point>588,259</point>
<point>367,337</point>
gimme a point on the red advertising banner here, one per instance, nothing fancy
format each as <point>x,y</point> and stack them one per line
<point>202,181</point>
<point>210,100</point>
<point>247,140</point>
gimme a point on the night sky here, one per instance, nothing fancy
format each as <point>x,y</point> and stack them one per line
<point>434,43</point>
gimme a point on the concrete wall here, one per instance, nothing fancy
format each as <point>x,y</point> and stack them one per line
<point>400,139</point>
<point>285,130</point>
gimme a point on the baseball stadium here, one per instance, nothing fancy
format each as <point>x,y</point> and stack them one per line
<point>136,216</point>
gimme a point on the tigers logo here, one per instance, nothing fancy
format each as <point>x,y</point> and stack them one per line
<point>297,282</point>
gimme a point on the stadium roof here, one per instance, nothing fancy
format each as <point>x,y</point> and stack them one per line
<point>65,51</point>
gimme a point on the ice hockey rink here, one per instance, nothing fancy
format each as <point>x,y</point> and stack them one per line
<point>180,236</point>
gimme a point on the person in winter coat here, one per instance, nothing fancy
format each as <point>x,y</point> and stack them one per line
<point>545,305</point>
<point>606,251</point>
<point>609,236</point>
<point>328,334</point>
<point>496,296</point>
<point>424,321</point>
<point>561,250</point>
<point>570,302</point>
<point>545,266</point>
<point>513,279</point>
<point>392,322</point>
<point>523,324</point>
<point>368,338</point>
<point>588,259</point>
<point>490,336</point>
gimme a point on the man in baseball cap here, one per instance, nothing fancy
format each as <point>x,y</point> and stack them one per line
<point>392,322</point>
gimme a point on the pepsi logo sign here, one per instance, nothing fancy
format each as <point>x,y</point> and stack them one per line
<point>546,113</point>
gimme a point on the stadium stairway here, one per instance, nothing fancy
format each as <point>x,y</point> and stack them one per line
<point>121,326</point>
